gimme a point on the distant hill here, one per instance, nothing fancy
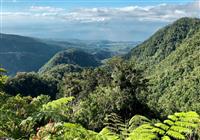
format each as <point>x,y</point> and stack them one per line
<point>19,53</point>
<point>25,54</point>
<point>102,48</point>
<point>171,58</point>
<point>71,56</point>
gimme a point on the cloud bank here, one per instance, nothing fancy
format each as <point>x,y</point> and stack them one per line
<point>98,22</point>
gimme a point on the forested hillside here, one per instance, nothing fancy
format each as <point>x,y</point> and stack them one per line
<point>164,42</point>
<point>153,94</point>
<point>24,53</point>
<point>72,56</point>
<point>171,61</point>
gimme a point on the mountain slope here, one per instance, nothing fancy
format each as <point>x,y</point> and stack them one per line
<point>176,80</point>
<point>71,56</point>
<point>164,41</point>
<point>171,58</point>
<point>19,53</point>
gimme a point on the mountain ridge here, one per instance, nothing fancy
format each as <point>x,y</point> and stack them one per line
<point>174,78</point>
<point>163,42</point>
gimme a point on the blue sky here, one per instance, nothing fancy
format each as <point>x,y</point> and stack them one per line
<point>118,20</point>
<point>70,4</point>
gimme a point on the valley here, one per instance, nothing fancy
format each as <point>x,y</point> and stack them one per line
<point>102,90</point>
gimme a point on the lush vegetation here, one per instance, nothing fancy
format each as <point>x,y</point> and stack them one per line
<point>123,99</point>
<point>26,54</point>
<point>71,56</point>
<point>173,73</point>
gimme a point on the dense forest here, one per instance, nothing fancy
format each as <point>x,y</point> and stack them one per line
<point>29,54</point>
<point>151,93</point>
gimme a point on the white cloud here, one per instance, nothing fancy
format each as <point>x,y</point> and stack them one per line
<point>45,9</point>
<point>122,23</point>
<point>162,12</point>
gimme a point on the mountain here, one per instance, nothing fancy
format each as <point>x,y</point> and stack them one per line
<point>171,58</point>
<point>102,48</point>
<point>71,56</point>
<point>164,42</point>
<point>19,53</point>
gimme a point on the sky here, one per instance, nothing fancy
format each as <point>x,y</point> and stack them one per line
<point>116,20</point>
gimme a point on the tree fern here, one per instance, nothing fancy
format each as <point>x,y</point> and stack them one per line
<point>57,104</point>
<point>144,132</point>
<point>114,123</point>
<point>179,126</point>
<point>106,134</point>
<point>136,121</point>
<point>57,110</point>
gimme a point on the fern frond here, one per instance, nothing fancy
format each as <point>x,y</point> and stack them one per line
<point>186,124</point>
<point>181,129</point>
<point>56,104</point>
<point>106,134</point>
<point>177,126</point>
<point>158,130</point>
<point>173,117</point>
<point>162,126</point>
<point>188,114</point>
<point>175,135</point>
<point>166,138</point>
<point>144,132</point>
<point>169,122</point>
<point>136,121</point>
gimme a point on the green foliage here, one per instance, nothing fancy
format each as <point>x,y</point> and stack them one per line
<point>136,121</point>
<point>3,78</point>
<point>19,53</point>
<point>103,92</point>
<point>81,84</point>
<point>71,56</point>
<point>57,110</point>
<point>57,104</point>
<point>92,111</point>
<point>114,123</point>
<point>25,54</point>
<point>58,72</point>
<point>106,134</point>
<point>144,132</point>
<point>164,42</point>
<point>178,126</point>
<point>71,131</point>
<point>105,98</point>
<point>16,109</point>
<point>66,131</point>
<point>2,71</point>
<point>30,84</point>
<point>179,83</point>
<point>170,59</point>
<point>21,116</point>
